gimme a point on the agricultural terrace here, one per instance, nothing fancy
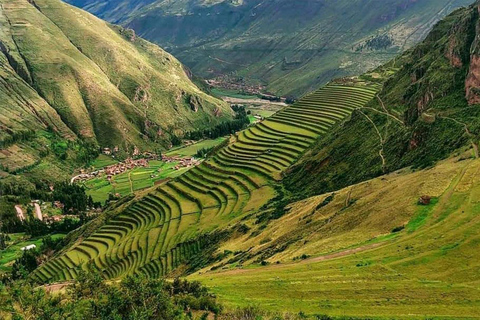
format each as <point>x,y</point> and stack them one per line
<point>158,232</point>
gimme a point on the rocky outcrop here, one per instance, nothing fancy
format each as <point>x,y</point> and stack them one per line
<point>472,82</point>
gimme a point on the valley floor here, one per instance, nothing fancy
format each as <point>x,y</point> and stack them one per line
<point>427,266</point>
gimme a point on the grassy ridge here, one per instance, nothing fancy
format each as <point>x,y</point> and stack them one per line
<point>421,115</point>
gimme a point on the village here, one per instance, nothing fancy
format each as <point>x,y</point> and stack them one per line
<point>131,163</point>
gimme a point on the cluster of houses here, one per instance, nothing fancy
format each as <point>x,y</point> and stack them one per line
<point>112,170</point>
<point>225,82</point>
<point>121,167</point>
<point>130,163</point>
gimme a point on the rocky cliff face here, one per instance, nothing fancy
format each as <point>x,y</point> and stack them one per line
<point>472,82</point>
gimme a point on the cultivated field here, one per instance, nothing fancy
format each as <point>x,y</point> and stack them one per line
<point>132,180</point>
<point>141,177</point>
<point>157,232</point>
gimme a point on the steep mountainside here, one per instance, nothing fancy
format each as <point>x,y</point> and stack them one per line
<point>70,78</point>
<point>292,46</point>
<point>427,110</point>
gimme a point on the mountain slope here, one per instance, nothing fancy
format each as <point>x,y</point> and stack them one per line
<point>292,46</point>
<point>426,111</point>
<point>403,244</point>
<point>67,72</point>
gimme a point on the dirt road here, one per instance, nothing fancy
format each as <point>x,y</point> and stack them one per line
<point>38,212</point>
<point>20,214</point>
<point>309,260</point>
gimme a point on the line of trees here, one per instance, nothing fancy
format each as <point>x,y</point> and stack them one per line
<point>240,122</point>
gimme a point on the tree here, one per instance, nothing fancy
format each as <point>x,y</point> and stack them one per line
<point>72,196</point>
<point>23,266</point>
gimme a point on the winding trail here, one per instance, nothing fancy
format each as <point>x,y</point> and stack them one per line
<point>326,257</point>
<point>382,141</point>
<point>467,131</point>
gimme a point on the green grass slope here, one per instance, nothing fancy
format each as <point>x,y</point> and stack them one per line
<point>426,110</point>
<point>169,225</point>
<point>292,46</point>
<point>381,255</point>
<point>68,74</point>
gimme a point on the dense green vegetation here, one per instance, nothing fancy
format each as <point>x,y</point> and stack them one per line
<point>91,298</point>
<point>226,128</point>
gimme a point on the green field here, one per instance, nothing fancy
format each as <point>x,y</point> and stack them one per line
<point>252,119</point>
<point>219,92</point>
<point>261,112</point>
<point>13,252</point>
<point>103,161</point>
<point>190,151</point>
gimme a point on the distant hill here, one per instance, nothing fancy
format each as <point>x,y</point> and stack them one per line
<point>292,46</point>
<point>72,83</point>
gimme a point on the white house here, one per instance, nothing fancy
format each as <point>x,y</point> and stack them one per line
<point>29,247</point>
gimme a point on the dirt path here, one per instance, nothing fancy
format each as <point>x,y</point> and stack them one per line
<point>382,141</point>
<point>131,182</point>
<point>445,197</point>
<point>343,253</point>
<point>467,131</point>
<point>386,112</point>
<point>20,214</point>
<point>38,211</point>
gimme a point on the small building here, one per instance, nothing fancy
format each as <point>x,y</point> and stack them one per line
<point>29,247</point>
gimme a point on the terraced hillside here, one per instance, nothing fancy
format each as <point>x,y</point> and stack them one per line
<point>157,232</point>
